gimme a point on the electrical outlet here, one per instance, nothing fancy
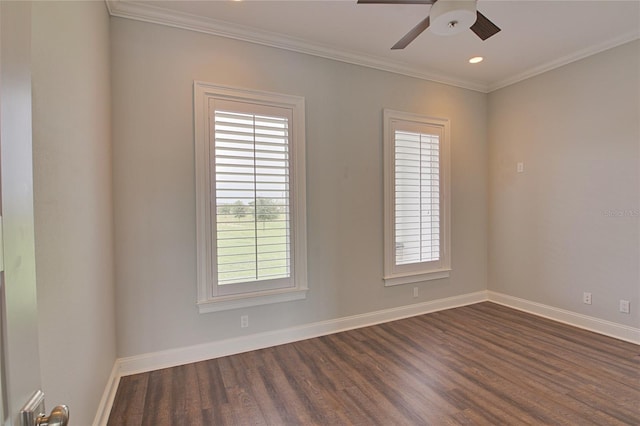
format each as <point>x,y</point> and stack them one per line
<point>244,321</point>
<point>624,306</point>
<point>415,292</point>
<point>586,298</point>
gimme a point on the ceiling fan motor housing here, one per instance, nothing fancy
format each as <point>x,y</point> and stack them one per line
<point>449,17</point>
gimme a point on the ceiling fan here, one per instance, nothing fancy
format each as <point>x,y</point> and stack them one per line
<point>446,17</point>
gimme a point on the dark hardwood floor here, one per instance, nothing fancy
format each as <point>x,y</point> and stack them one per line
<point>483,364</point>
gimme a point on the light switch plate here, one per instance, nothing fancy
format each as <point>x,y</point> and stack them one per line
<point>624,306</point>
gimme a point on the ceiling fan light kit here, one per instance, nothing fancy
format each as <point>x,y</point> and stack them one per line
<point>449,17</point>
<point>446,17</point>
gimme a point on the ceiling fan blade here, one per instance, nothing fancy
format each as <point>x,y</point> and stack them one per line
<point>411,35</point>
<point>483,27</point>
<point>396,1</point>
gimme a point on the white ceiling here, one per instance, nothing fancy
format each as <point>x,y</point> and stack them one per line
<point>536,35</point>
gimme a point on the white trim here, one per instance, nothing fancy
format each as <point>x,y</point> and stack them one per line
<point>400,279</point>
<point>411,273</point>
<point>145,12</point>
<point>179,356</point>
<point>608,328</point>
<point>108,396</point>
<point>235,301</point>
<point>565,60</point>
<point>208,298</point>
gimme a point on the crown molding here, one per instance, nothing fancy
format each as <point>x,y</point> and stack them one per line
<point>565,60</point>
<point>158,15</point>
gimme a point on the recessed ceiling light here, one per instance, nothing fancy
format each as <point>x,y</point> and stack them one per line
<point>476,59</point>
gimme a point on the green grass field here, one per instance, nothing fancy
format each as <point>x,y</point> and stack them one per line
<point>248,250</point>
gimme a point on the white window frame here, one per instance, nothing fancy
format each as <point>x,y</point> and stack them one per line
<point>423,271</point>
<point>209,297</point>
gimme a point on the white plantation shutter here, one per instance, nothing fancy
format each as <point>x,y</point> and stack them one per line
<point>417,197</point>
<point>252,193</point>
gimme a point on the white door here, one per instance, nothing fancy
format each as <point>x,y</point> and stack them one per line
<point>20,359</point>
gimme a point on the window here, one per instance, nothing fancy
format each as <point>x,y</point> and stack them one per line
<point>416,196</point>
<point>250,182</point>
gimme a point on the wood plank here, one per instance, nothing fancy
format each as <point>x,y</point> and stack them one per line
<point>158,407</point>
<point>128,405</point>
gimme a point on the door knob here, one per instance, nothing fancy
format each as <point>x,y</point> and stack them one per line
<point>59,417</point>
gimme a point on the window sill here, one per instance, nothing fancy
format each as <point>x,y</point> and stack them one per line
<point>415,277</point>
<point>225,303</point>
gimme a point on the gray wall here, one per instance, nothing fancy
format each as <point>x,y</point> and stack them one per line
<point>555,230</point>
<point>570,223</point>
<point>153,69</point>
<point>73,202</point>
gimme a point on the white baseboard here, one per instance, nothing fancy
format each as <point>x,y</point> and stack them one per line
<point>608,328</point>
<point>179,356</point>
<point>108,396</point>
